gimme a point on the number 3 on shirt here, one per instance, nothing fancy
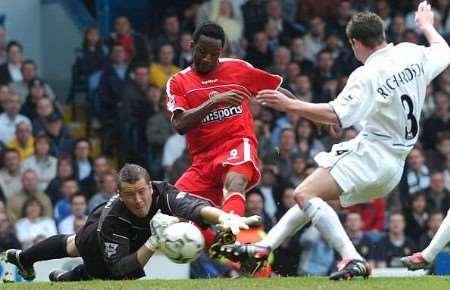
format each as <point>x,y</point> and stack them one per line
<point>408,106</point>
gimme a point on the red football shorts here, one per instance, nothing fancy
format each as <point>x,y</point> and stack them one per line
<point>207,173</point>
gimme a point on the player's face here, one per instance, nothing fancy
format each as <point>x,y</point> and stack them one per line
<point>206,54</point>
<point>137,197</point>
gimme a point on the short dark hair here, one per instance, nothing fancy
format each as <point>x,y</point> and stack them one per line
<point>131,173</point>
<point>72,197</point>
<point>366,27</point>
<point>14,43</point>
<point>28,61</point>
<point>210,29</point>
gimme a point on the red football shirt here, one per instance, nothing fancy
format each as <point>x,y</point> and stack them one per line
<point>188,89</point>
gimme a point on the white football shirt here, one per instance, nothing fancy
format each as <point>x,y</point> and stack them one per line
<point>385,95</point>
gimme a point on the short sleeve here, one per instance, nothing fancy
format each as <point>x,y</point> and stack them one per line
<point>256,80</point>
<point>355,102</point>
<point>175,96</point>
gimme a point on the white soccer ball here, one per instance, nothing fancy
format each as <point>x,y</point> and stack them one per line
<point>182,242</point>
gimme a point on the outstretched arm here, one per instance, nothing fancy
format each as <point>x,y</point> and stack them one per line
<point>283,100</point>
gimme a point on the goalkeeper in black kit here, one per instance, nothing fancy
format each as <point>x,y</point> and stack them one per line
<point>116,241</point>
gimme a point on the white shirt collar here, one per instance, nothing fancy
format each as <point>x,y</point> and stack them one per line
<point>379,52</point>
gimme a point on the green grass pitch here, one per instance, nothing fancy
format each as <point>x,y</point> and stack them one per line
<point>303,283</point>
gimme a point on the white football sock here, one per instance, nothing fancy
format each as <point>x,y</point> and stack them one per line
<point>439,240</point>
<point>325,219</point>
<point>291,222</point>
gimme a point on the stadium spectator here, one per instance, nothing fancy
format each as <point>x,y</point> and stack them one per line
<point>41,162</point>
<point>429,103</point>
<point>287,121</point>
<point>34,226</point>
<point>269,188</point>
<point>11,173</point>
<point>90,59</point>
<point>221,12</point>
<point>308,145</point>
<point>4,92</point>
<point>24,141</point>
<point>91,185</point>
<point>64,171</point>
<point>158,130</point>
<point>416,216</point>
<point>108,188</point>
<point>315,38</point>
<point>10,71</point>
<point>254,14</point>
<point>285,29</point>
<point>438,197</point>
<point>258,52</point>
<point>62,208</point>
<point>183,57</point>
<point>133,114</point>
<point>317,258</point>
<point>394,245</point>
<point>254,205</point>
<point>396,29</point>
<point>82,159</point>
<point>22,88</point>
<point>161,71</point>
<point>30,183</point>
<point>287,151</point>
<point>436,158</point>
<point>281,60</point>
<point>8,238</point>
<point>78,209</point>
<point>354,228</point>
<point>436,123</point>
<point>372,215</point>
<point>61,142</point>
<point>324,72</point>
<point>297,48</point>
<point>10,118</point>
<point>135,44</point>
<point>287,256</point>
<point>417,173</point>
<point>37,92</point>
<point>170,33</point>
<point>433,225</point>
<point>298,172</point>
<point>44,108</point>
<point>303,88</point>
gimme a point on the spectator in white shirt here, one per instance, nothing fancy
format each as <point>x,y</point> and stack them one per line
<point>29,73</point>
<point>10,118</point>
<point>33,227</point>
<point>11,174</point>
<point>78,211</point>
<point>41,162</point>
<point>173,149</point>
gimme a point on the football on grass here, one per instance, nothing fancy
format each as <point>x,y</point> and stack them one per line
<point>182,242</point>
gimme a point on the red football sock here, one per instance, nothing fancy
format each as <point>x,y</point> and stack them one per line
<point>210,237</point>
<point>235,203</point>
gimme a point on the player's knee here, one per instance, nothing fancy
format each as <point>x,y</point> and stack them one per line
<point>235,182</point>
<point>302,196</point>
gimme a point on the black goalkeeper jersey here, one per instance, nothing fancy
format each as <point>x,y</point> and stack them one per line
<point>112,234</point>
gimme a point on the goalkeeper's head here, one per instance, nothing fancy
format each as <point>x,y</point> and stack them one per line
<point>135,189</point>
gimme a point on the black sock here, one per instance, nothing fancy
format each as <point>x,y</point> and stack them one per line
<point>51,248</point>
<point>78,273</point>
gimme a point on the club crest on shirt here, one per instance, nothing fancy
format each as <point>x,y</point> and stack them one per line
<point>110,249</point>
<point>212,94</point>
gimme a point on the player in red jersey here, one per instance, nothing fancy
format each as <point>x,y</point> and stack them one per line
<point>209,102</point>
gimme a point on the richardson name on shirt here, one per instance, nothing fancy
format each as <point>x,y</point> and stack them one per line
<point>222,114</point>
<point>404,76</point>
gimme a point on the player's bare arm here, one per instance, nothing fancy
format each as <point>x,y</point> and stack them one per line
<point>320,113</point>
<point>183,121</point>
<point>425,22</point>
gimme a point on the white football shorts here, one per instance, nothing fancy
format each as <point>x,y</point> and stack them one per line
<point>364,169</point>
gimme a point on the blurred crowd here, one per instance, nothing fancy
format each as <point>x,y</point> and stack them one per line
<point>50,180</point>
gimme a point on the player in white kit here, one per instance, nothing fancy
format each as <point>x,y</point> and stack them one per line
<point>384,96</point>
